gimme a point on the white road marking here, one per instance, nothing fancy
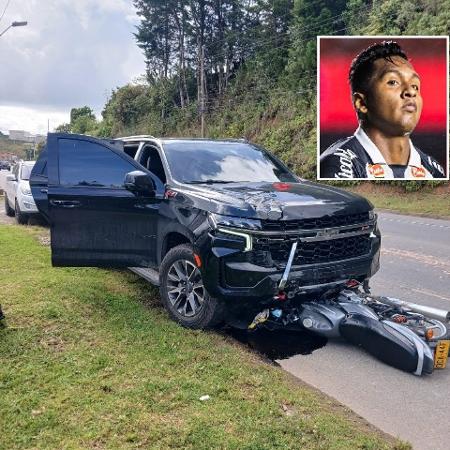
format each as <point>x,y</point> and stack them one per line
<point>424,259</point>
<point>431,293</point>
<point>414,222</point>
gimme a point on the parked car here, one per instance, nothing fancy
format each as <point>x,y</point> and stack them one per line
<point>216,220</point>
<point>5,165</point>
<point>19,201</point>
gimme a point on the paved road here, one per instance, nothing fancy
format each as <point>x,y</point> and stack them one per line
<point>3,217</point>
<point>3,174</point>
<point>415,266</point>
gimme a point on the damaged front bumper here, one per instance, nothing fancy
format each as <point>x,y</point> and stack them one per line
<point>247,277</point>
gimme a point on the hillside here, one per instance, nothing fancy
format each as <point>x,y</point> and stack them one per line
<point>12,148</point>
<point>249,68</point>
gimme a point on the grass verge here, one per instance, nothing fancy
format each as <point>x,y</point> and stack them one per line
<point>88,359</point>
<point>426,202</point>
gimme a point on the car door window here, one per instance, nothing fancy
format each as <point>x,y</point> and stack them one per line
<point>151,160</point>
<point>85,163</point>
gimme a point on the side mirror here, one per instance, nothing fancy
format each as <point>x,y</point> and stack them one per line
<point>10,178</point>
<point>140,182</point>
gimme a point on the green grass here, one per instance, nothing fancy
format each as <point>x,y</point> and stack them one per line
<point>426,202</point>
<point>88,359</point>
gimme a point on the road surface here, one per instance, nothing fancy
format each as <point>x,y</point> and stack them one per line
<point>3,174</point>
<point>415,266</point>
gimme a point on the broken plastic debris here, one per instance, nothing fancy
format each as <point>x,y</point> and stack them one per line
<point>259,318</point>
<point>203,398</point>
<point>277,313</point>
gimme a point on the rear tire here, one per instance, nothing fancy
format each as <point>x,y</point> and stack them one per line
<point>21,218</point>
<point>8,210</point>
<point>183,293</point>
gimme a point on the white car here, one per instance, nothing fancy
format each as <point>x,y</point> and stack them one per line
<point>18,198</point>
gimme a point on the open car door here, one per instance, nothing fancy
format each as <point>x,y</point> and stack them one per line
<point>102,205</point>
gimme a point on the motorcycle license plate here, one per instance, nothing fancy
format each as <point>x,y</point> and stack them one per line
<point>441,354</point>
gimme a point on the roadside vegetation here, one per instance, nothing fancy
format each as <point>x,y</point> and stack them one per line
<point>89,359</point>
<point>426,201</point>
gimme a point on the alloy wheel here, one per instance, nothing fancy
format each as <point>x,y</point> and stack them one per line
<point>185,288</point>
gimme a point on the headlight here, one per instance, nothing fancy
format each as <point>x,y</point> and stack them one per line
<point>372,215</point>
<point>236,226</point>
<point>234,222</point>
<point>25,190</point>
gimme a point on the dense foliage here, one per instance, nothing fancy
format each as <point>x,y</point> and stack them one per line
<point>249,67</point>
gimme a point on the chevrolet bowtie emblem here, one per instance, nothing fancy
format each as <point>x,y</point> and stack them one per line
<point>327,232</point>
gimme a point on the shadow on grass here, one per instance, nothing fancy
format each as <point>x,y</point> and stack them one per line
<point>279,344</point>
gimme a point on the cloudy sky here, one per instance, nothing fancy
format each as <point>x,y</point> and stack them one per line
<point>71,54</point>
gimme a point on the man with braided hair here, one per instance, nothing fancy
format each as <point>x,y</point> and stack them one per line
<point>386,97</point>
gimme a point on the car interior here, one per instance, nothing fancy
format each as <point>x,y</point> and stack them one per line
<point>148,157</point>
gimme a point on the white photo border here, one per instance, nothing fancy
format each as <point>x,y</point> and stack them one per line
<point>446,37</point>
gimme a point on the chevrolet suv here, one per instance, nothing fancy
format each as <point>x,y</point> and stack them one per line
<point>225,227</point>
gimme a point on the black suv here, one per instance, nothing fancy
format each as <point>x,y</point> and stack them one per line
<point>227,226</point>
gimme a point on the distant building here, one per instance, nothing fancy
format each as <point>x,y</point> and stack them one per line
<point>24,136</point>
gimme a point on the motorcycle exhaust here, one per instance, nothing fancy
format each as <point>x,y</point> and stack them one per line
<point>428,311</point>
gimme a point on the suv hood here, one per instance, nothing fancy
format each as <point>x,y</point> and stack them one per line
<point>275,201</point>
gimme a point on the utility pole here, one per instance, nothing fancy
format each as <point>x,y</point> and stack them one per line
<point>202,90</point>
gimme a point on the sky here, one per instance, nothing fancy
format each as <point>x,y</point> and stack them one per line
<point>72,53</point>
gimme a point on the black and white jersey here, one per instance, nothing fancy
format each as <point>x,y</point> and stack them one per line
<point>357,157</point>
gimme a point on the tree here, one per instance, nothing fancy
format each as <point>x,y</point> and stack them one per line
<point>63,128</point>
<point>84,111</point>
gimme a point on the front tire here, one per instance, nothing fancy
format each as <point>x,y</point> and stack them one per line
<point>8,210</point>
<point>183,293</point>
<point>21,218</point>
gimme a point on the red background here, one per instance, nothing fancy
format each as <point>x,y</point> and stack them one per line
<point>427,55</point>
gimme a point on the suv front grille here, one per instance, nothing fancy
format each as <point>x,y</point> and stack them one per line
<point>311,224</point>
<point>315,252</point>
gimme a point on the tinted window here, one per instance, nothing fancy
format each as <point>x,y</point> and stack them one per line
<point>198,161</point>
<point>83,163</point>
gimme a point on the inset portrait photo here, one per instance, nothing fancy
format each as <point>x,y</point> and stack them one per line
<point>382,107</point>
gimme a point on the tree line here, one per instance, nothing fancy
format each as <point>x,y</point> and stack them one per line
<point>247,68</point>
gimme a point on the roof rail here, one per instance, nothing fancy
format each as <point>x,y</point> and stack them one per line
<point>140,136</point>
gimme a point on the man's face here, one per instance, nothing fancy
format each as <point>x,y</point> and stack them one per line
<point>393,100</point>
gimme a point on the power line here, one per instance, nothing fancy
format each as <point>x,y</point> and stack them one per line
<point>267,40</point>
<point>260,42</point>
<point>332,19</point>
<point>6,7</point>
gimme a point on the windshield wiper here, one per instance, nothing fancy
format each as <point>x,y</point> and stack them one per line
<point>211,181</point>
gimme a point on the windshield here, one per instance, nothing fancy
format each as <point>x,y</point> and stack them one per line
<point>25,173</point>
<point>223,162</point>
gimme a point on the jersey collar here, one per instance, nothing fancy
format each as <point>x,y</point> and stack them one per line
<point>375,154</point>
<point>377,158</point>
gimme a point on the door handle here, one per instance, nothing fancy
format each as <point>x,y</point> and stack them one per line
<point>65,203</point>
<point>44,191</point>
